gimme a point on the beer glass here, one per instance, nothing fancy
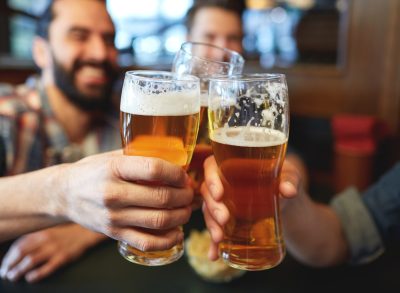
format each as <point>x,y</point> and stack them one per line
<point>204,60</point>
<point>159,117</point>
<point>248,127</point>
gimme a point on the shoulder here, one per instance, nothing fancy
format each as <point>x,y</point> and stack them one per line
<point>18,113</point>
<point>22,100</point>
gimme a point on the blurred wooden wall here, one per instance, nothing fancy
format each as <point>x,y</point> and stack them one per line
<point>367,78</point>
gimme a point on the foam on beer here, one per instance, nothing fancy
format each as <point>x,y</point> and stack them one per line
<point>204,99</point>
<point>160,104</point>
<point>248,136</point>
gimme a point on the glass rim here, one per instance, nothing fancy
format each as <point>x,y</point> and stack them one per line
<point>149,75</point>
<point>232,52</point>
<point>247,77</point>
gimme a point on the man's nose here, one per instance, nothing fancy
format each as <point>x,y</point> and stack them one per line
<point>97,49</point>
<point>221,42</point>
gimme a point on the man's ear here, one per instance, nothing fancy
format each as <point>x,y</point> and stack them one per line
<point>41,52</point>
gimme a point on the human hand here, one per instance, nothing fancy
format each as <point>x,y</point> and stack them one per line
<point>37,255</point>
<point>139,200</point>
<point>215,212</point>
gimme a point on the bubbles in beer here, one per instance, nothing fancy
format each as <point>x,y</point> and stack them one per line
<point>260,105</point>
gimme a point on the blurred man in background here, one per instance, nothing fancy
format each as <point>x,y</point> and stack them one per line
<point>216,22</point>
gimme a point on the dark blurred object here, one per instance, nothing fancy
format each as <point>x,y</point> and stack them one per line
<point>317,36</point>
<point>311,138</point>
<point>356,140</point>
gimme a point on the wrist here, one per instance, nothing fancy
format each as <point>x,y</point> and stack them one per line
<point>55,191</point>
<point>94,238</point>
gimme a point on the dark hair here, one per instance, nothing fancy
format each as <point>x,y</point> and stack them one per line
<point>236,6</point>
<point>43,23</point>
<point>45,19</point>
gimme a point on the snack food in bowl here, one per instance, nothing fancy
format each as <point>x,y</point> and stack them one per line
<point>197,245</point>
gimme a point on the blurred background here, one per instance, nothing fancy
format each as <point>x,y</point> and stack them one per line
<point>341,58</point>
<point>277,33</point>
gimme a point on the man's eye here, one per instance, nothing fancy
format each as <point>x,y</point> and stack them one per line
<point>79,36</point>
<point>210,37</point>
<point>109,40</point>
<point>234,39</point>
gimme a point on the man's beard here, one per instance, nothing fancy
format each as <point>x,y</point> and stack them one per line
<point>65,81</point>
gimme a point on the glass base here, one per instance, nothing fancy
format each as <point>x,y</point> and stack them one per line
<point>151,258</point>
<point>253,259</point>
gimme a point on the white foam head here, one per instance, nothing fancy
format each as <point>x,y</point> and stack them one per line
<point>160,97</point>
<point>165,104</point>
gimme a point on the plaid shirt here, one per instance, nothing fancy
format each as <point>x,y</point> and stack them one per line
<point>31,138</point>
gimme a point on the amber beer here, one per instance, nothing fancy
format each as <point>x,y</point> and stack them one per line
<point>249,161</point>
<point>171,138</point>
<point>203,128</point>
<point>158,118</point>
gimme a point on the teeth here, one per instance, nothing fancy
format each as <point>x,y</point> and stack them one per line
<point>92,71</point>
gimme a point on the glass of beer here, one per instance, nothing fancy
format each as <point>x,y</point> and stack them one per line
<point>159,117</point>
<point>204,60</point>
<point>249,127</point>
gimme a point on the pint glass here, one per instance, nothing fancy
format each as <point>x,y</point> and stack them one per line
<point>204,60</point>
<point>248,125</point>
<point>159,117</point>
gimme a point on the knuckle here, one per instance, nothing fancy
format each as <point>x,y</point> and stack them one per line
<point>111,218</point>
<point>162,196</point>
<point>29,260</point>
<point>159,220</point>
<point>18,251</point>
<point>154,168</point>
<point>112,232</point>
<point>111,196</point>
<point>45,236</point>
<point>63,257</point>
<point>144,244</point>
<point>113,166</point>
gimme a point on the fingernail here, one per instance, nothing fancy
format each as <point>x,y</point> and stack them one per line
<point>290,188</point>
<point>211,255</point>
<point>30,277</point>
<point>11,275</point>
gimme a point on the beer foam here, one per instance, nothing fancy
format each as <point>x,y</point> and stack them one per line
<point>160,104</point>
<point>204,99</point>
<point>248,136</point>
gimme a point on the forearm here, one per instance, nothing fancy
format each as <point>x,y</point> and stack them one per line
<point>313,233</point>
<point>28,202</point>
